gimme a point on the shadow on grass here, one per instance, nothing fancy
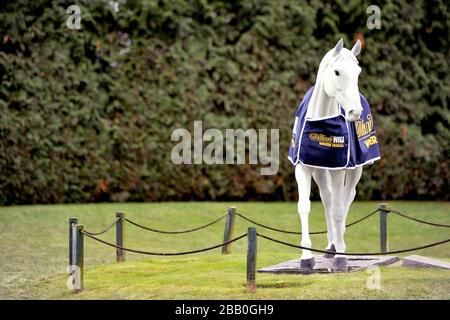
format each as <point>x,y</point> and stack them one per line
<point>281,285</point>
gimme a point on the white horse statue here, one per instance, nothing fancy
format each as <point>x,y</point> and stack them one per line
<point>333,137</point>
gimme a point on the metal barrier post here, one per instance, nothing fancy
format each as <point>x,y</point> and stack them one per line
<point>78,257</point>
<point>383,227</point>
<point>120,254</point>
<point>72,221</point>
<point>251,259</point>
<point>229,225</point>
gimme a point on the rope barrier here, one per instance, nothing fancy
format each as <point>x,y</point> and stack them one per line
<point>76,242</point>
<point>265,226</point>
<point>93,234</point>
<point>354,253</point>
<point>162,253</point>
<point>418,220</point>
<point>299,233</point>
<point>102,232</point>
<point>362,219</point>
<point>175,232</point>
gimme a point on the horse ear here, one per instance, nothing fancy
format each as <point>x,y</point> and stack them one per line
<point>338,47</point>
<point>356,48</point>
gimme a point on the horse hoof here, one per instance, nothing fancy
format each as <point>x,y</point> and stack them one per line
<point>307,263</point>
<point>330,254</point>
<point>340,264</point>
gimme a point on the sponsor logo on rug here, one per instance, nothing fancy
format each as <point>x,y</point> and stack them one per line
<point>371,141</point>
<point>327,141</point>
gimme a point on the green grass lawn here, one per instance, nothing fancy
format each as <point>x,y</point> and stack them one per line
<point>34,253</point>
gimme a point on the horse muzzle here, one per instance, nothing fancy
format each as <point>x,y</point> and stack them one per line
<point>353,115</point>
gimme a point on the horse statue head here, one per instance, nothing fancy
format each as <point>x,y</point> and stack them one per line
<point>338,73</point>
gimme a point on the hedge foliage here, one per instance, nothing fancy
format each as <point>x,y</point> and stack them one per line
<point>87,115</point>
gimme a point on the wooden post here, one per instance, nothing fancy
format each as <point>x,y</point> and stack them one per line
<point>120,254</point>
<point>229,225</point>
<point>78,258</point>
<point>383,227</point>
<point>251,259</point>
<point>72,221</point>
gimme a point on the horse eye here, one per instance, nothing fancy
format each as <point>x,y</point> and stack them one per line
<point>336,72</point>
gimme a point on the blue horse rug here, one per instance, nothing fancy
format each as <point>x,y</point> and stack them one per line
<point>333,142</point>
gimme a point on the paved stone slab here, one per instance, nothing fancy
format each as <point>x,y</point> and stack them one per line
<point>415,261</point>
<point>395,264</point>
<point>323,265</point>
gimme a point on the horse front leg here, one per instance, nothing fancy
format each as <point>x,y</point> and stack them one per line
<point>338,208</point>
<point>322,179</point>
<point>303,177</point>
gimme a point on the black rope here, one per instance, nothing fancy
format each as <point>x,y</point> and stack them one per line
<point>354,253</point>
<point>175,232</point>
<point>296,232</point>
<point>102,232</point>
<point>362,219</point>
<point>163,253</point>
<point>418,220</point>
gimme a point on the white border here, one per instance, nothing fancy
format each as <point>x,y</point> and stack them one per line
<point>323,118</point>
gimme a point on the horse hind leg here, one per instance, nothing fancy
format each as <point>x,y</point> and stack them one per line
<point>352,178</point>
<point>303,177</point>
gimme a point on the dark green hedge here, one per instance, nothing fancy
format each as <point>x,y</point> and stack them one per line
<point>84,117</point>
